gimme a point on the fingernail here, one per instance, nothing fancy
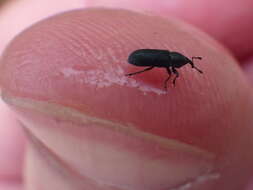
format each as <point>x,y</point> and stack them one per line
<point>112,154</point>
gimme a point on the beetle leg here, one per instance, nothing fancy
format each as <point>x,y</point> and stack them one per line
<point>149,68</point>
<point>177,75</point>
<point>165,82</point>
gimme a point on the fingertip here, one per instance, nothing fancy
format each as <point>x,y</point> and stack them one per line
<point>69,67</point>
<point>78,60</point>
<point>196,13</point>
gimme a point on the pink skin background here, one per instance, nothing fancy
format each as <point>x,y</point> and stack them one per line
<point>235,33</point>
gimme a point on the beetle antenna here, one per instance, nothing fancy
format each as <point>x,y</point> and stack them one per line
<point>197,69</point>
<point>193,66</point>
<point>196,58</point>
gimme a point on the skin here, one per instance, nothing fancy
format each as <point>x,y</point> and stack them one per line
<point>222,90</point>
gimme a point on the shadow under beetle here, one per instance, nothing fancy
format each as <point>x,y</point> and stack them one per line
<point>160,58</point>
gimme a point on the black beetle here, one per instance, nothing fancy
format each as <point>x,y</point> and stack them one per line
<point>160,58</point>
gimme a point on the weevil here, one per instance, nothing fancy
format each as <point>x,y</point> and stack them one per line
<point>169,60</point>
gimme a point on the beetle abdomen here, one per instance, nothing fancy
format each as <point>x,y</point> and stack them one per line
<point>150,57</point>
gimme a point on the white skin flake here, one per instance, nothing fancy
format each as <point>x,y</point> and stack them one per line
<point>105,78</point>
<point>68,72</point>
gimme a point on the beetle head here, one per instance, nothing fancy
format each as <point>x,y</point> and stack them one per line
<point>178,60</point>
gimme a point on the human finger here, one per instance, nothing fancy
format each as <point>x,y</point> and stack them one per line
<point>90,126</point>
<point>227,21</point>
